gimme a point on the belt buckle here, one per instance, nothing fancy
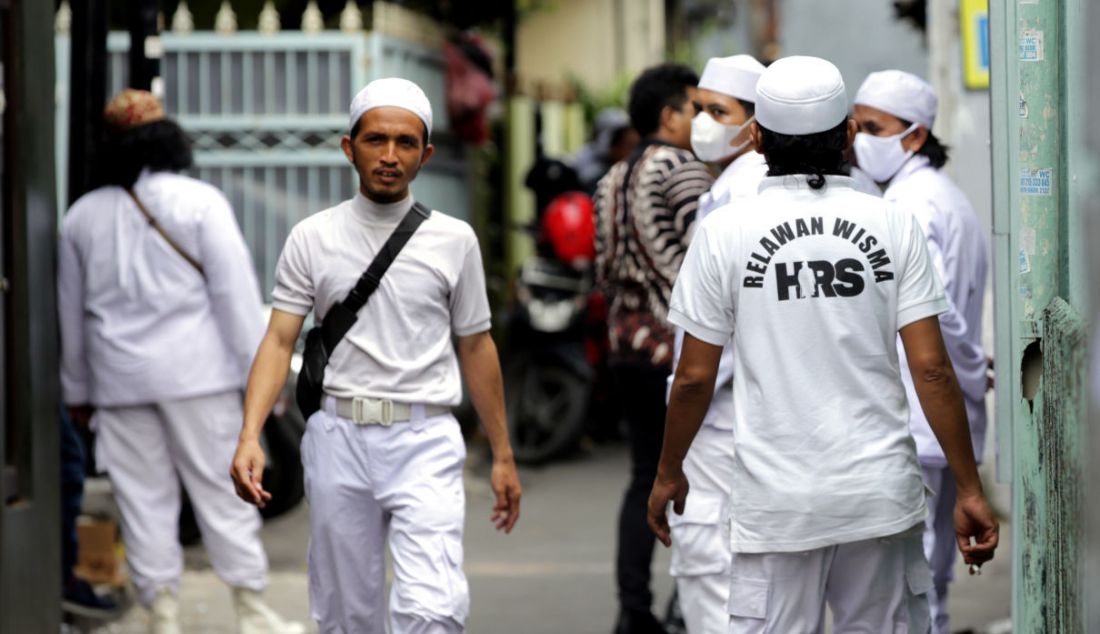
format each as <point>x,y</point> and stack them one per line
<point>386,417</point>
<point>372,411</point>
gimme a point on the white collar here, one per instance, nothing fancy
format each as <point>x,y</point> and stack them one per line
<point>799,182</point>
<point>916,163</point>
<point>388,213</point>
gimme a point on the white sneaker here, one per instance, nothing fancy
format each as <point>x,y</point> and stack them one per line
<point>166,613</point>
<point>256,617</point>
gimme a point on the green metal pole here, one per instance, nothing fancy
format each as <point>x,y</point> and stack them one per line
<point>1040,333</point>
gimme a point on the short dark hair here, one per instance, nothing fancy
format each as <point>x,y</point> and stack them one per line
<point>748,106</point>
<point>423,138</point>
<point>815,154</point>
<point>932,148</point>
<point>161,146</point>
<point>656,88</point>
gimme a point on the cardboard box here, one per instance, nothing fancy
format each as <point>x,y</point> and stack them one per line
<point>99,559</point>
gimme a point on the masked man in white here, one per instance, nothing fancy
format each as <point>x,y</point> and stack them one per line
<point>814,281</point>
<point>724,103</point>
<point>895,111</point>
<point>383,455</point>
<point>160,315</point>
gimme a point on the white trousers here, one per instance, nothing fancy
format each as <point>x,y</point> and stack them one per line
<point>872,586</point>
<point>146,451</point>
<point>700,544</point>
<point>940,546</point>
<point>367,483</point>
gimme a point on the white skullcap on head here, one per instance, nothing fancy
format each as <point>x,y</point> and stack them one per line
<point>734,76</point>
<point>801,95</point>
<point>392,91</point>
<point>901,94</point>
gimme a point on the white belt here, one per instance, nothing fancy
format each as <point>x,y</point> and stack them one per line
<point>381,411</point>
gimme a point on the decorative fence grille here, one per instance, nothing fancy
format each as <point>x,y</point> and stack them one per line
<point>265,113</point>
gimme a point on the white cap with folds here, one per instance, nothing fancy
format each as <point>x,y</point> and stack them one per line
<point>801,95</point>
<point>735,76</point>
<point>392,91</point>
<point>901,94</point>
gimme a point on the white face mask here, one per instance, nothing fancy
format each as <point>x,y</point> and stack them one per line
<point>711,140</point>
<point>881,156</point>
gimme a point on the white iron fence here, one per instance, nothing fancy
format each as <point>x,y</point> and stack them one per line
<point>265,113</point>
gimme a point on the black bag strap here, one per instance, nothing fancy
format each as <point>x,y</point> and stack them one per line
<point>333,325</point>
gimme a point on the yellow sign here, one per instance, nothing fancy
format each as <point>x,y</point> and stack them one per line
<point>974,24</point>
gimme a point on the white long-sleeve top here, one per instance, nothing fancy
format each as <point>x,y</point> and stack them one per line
<point>138,323</point>
<point>740,179</point>
<point>960,253</point>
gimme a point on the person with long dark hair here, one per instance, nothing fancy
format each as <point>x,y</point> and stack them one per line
<point>160,316</point>
<point>895,111</point>
<point>814,281</point>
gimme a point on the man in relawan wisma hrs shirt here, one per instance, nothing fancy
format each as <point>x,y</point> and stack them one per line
<point>383,456</point>
<point>814,281</point>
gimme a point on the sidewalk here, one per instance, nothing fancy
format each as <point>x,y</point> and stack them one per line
<point>553,575</point>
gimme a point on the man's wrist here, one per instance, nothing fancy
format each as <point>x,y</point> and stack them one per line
<point>250,433</point>
<point>668,470</point>
<point>503,456</point>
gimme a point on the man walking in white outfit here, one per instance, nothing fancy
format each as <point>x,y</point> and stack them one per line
<point>383,456</point>
<point>724,103</point>
<point>160,315</point>
<point>896,111</point>
<point>814,280</point>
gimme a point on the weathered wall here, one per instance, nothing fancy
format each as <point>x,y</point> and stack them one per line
<point>1040,171</point>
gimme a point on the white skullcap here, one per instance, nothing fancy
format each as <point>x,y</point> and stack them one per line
<point>801,95</point>
<point>392,91</point>
<point>734,76</point>
<point>901,94</point>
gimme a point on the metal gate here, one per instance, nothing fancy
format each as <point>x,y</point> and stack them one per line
<point>265,113</point>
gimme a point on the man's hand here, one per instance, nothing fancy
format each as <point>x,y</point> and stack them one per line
<point>505,484</point>
<point>248,472</point>
<point>974,519</point>
<point>666,488</point>
<point>81,415</point>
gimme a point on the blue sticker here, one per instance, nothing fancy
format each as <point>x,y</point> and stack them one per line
<point>1031,46</point>
<point>1036,182</point>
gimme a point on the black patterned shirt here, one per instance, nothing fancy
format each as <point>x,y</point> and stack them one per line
<point>645,210</point>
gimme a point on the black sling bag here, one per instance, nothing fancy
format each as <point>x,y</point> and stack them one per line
<point>322,340</point>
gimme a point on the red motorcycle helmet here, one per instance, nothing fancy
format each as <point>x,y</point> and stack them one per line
<point>569,227</point>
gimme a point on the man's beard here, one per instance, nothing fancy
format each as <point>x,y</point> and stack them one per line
<point>382,197</point>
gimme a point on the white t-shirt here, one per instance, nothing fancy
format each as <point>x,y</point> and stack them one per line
<point>401,346</point>
<point>813,285</point>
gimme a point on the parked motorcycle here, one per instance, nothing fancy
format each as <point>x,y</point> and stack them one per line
<point>551,352</point>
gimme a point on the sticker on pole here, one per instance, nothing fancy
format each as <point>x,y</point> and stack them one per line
<point>1031,46</point>
<point>1036,182</point>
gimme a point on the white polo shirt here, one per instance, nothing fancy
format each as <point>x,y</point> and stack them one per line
<point>813,286</point>
<point>401,347</point>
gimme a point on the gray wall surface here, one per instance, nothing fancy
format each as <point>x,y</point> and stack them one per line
<point>862,36</point>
